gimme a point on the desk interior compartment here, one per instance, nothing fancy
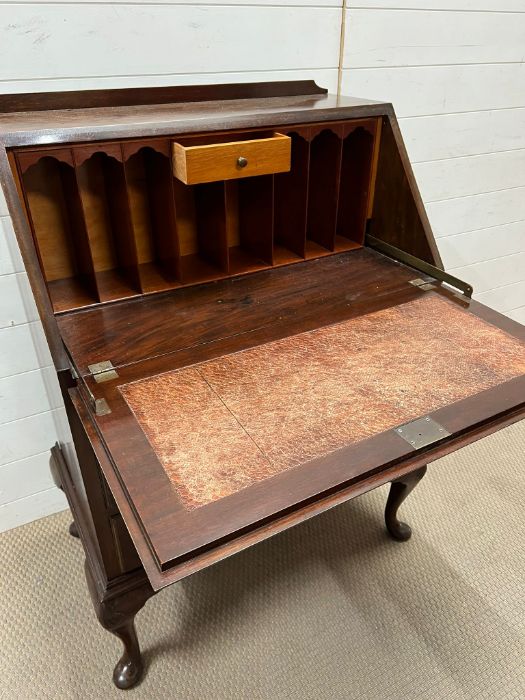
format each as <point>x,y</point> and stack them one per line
<point>151,199</point>
<point>250,223</point>
<point>111,221</point>
<point>55,212</point>
<point>103,191</point>
<point>323,190</point>
<point>290,206</point>
<point>356,181</point>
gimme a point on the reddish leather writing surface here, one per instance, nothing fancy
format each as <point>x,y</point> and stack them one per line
<point>225,424</point>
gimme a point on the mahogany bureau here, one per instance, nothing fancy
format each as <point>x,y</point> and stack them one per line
<point>248,317</point>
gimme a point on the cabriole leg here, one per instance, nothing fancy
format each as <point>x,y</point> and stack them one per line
<point>117,615</point>
<point>399,490</point>
<point>128,670</point>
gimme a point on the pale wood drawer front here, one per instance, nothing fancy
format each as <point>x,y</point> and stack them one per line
<point>227,161</point>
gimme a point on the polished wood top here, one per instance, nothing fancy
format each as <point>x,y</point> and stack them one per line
<point>72,126</point>
<point>278,302</point>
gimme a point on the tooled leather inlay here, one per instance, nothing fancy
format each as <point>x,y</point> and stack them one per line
<point>223,425</point>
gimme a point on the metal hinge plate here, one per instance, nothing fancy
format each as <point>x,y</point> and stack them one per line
<point>425,285</point>
<point>103,371</point>
<point>101,407</point>
<point>421,432</point>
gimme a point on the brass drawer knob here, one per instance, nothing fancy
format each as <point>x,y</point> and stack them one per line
<point>242,162</point>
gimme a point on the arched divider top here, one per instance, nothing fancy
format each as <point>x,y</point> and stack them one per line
<point>367,125</point>
<point>27,159</point>
<point>317,129</point>
<point>131,148</point>
<point>83,153</point>
<point>340,129</point>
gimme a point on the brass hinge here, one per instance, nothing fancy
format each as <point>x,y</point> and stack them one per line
<point>425,285</point>
<point>420,265</point>
<point>100,407</point>
<point>421,432</point>
<point>103,371</point>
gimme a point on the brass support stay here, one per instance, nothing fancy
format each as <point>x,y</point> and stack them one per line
<point>418,264</point>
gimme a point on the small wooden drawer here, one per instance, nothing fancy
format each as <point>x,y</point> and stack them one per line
<point>234,159</point>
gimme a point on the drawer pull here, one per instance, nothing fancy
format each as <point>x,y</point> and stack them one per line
<point>242,162</point>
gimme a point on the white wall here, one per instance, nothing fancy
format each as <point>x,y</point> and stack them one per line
<point>452,68</point>
<point>454,71</point>
<point>30,412</point>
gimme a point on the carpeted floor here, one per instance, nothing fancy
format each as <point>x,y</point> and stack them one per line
<point>330,609</point>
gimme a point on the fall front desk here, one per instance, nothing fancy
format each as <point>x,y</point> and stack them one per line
<point>248,317</point>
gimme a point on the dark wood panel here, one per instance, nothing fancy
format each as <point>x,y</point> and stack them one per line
<point>82,99</point>
<point>118,207</point>
<point>256,217</point>
<point>354,191</point>
<point>159,181</point>
<point>311,292</point>
<point>398,215</point>
<point>211,224</point>
<point>291,196</point>
<point>151,121</point>
<point>91,479</point>
<point>54,207</point>
<point>323,187</point>
<point>103,194</point>
<point>127,554</point>
<point>149,184</point>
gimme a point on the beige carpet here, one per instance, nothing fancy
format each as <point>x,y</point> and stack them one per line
<point>330,609</point>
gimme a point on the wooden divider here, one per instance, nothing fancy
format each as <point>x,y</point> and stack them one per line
<point>110,221</point>
<point>102,186</point>
<point>356,170</point>
<point>323,190</point>
<point>210,208</point>
<point>56,217</point>
<point>151,201</point>
<point>255,202</point>
<point>291,195</point>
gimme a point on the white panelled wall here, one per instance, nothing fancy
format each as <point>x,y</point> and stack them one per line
<point>452,68</point>
<point>454,71</point>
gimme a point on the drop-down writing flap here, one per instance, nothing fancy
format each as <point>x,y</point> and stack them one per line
<point>214,441</point>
